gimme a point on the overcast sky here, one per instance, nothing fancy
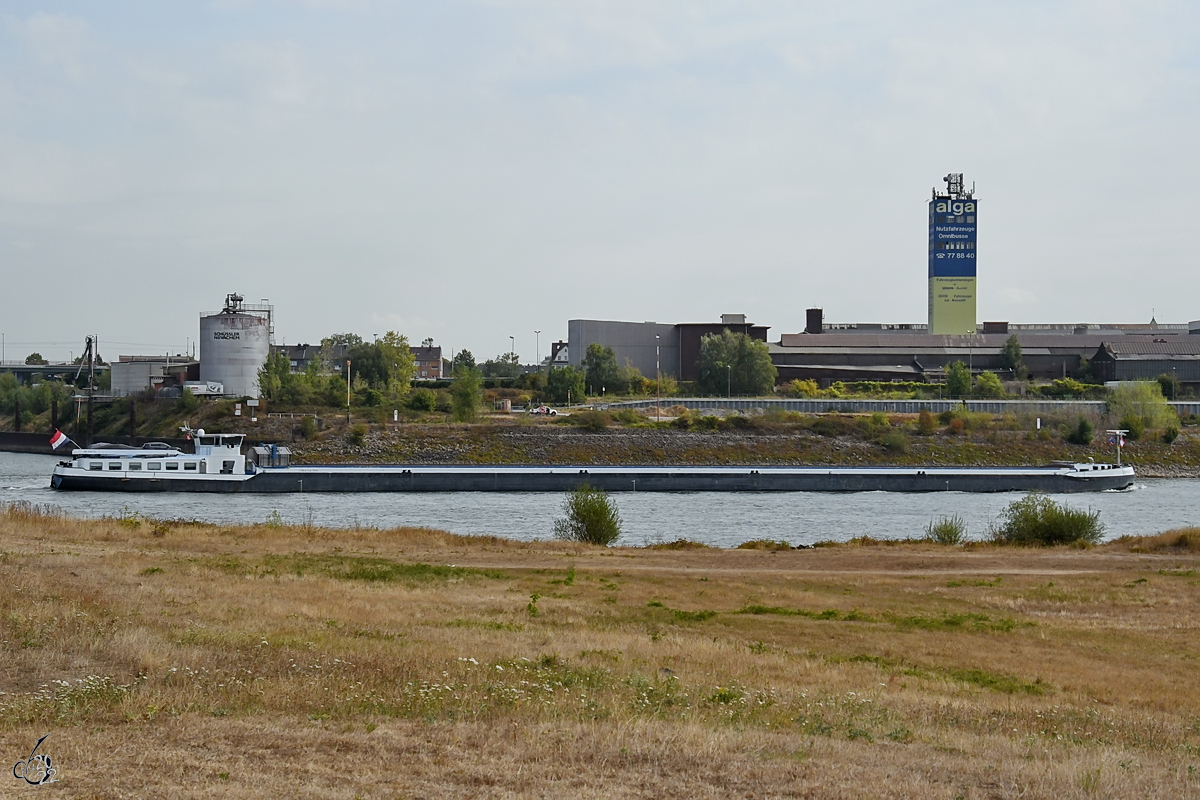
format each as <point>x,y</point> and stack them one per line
<point>474,170</point>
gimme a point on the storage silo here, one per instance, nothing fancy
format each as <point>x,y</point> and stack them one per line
<point>234,345</point>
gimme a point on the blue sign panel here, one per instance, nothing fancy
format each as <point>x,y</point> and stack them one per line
<point>952,237</point>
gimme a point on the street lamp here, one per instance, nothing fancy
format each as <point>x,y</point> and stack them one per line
<point>347,391</point>
<point>657,381</point>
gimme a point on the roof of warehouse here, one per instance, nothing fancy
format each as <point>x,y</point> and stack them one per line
<point>926,341</point>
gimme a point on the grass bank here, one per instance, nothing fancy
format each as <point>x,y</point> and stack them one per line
<point>263,661</point>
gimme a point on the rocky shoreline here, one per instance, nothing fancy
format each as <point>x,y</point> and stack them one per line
<point>559,444</point>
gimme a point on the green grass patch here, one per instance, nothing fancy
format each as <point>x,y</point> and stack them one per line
<point>854,615</point>
<point>362,568</point>
<point>954,622</point>
<point>994,681</point>
<point>487,625</point>
<point>956,584</point>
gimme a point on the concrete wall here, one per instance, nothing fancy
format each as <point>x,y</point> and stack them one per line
<point>629,340</point>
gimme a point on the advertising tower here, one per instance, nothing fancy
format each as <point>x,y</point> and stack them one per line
<point>952,226</point>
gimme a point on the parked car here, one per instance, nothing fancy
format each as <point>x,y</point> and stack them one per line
<point>546,410</point>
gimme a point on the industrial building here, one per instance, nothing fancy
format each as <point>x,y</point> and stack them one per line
<point>894,352</point>
<point>133,374</point>
<point>1139,360</point>
<point>651,347</point>
<point>953,215</point>
<point>234,345</point>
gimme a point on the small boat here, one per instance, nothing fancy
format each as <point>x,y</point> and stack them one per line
<point>219,465</point>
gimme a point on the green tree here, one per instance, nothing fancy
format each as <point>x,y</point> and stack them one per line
<point>399,367</point>
<point>735,363</point>
<point>1012,358</point>
<point>505,365</point>
<point>602,372</point>
<point>566,385</point>
<point>988,385</point>
<point>1169,384</point>
<point>35,358</point>
<point>1142,400</point>
<point>958,380</point>
<point>462,358</point>
<point>466,394</point>
<point>590,517</point>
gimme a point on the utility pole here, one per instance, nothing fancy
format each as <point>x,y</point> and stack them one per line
<point>537,348</point>
<point>347,391</point>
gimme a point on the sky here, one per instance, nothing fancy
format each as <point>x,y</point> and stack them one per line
<point>471,171</point>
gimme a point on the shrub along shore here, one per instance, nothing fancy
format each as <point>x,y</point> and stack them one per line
<point>270,661</point>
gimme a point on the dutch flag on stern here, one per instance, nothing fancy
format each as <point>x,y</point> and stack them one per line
<point>58,439</point>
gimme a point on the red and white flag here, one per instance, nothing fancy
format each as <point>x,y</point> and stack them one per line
<point>58,439</point>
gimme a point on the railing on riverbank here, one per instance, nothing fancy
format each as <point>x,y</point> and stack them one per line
<point>845,405</point>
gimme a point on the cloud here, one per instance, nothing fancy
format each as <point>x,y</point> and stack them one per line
<point>475,169</point>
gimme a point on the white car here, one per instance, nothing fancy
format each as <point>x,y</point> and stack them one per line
<point>546,410</point>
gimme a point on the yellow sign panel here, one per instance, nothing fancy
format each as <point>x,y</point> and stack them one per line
<point>952,305</point>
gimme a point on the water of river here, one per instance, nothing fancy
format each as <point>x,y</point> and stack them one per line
<point>717,518</point>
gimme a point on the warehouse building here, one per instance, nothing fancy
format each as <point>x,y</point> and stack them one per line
<point>673,349</point>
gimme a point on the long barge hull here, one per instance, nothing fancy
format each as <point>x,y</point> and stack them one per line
<point>1081,478</point>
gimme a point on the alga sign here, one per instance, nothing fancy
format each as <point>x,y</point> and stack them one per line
<point>952,227</point>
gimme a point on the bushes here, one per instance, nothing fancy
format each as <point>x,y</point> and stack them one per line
<point>894,441</point>
<point>592,420</point>
<point>1081,433</point>
<point>308,427</point>
<point>591,517</point>
<point>1037,520</point>
<point>951,530</point>
<point>1133,425</point>
<point>926,424</point>
<point>422,400</point>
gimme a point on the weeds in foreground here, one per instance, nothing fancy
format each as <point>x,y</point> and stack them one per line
<point>951,530</point>
<point>1037,520</point>
<point>590,517</point>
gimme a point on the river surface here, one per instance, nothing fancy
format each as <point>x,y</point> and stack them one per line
<point>720,519</point>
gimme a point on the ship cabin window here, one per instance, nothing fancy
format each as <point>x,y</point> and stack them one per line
<point>189,466</point>
<point>135,466</point>
<point>226,467</point>
<point>153,465</point>
<point>114,465</point>
<point>173,465</point>
<point>95,466</point>
<point>206,440</point>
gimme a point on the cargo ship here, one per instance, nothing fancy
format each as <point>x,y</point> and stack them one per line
<point>218,464</point>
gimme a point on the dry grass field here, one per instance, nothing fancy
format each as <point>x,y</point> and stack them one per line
<point>182,660</point>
